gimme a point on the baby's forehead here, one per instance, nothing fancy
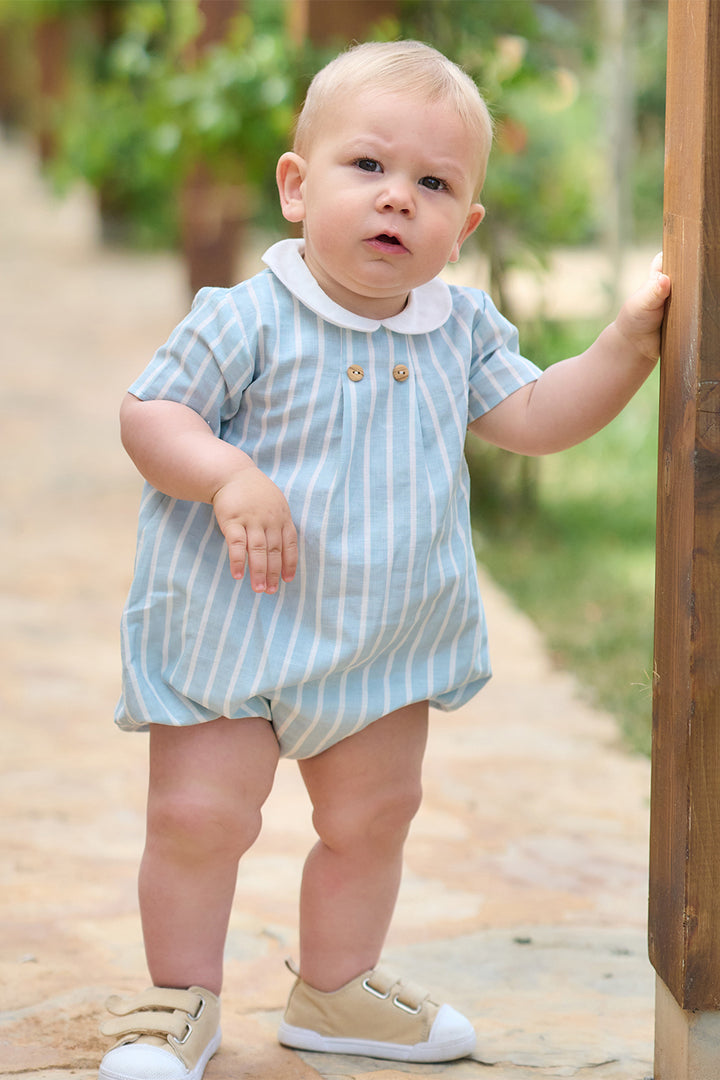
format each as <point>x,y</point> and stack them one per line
<point>369,108</point>
<point>368,97</point>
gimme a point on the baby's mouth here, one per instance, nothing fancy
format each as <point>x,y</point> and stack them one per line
<point>387,242</point>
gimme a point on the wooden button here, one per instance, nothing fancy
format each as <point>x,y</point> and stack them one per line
<point>400,372</point>
<point>355,373</point>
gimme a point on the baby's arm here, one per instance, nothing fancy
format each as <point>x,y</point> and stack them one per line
<point>575,398</point>
<point>176,452</point>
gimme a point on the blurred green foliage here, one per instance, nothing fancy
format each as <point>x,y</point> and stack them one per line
<point>140,109</point>
<point>142,112</point>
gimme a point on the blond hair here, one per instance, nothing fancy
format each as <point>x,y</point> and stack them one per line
<point>402,67</point>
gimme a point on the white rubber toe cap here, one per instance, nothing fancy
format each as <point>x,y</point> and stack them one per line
<point>134,1061</point>
<point>452,1029</point>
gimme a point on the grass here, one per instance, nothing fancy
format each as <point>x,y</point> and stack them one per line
<point>571,538</point>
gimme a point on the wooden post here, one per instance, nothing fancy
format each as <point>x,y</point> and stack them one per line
<point>211,213</point>
<point>340,21</point>
<point>51,49</point>
<point>684,916</point>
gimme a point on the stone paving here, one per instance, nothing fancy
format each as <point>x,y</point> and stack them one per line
<point>524,899</point>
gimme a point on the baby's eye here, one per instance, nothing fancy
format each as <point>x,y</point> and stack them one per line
<point>368,164</point>
<point>433,183</point>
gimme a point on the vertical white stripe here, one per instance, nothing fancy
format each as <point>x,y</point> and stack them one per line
<point>207,611</point>
<point>349,535</point>
<point>348,396</point>
<point>170,578</point>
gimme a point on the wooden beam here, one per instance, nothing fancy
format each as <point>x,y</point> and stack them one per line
<point>684,916</point>
<point>337,21</point>
<point>211,212</point>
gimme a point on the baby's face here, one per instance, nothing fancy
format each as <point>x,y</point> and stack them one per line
<point>386,196</point>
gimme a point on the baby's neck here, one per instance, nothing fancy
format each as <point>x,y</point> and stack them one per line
<point>368,307</point>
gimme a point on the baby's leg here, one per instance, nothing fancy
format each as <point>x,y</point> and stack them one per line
<point>207,786</point>
<point>365,791</point>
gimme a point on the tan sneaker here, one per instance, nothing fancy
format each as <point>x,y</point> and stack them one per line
<point>376,1015</point>
<point>164,1035</point>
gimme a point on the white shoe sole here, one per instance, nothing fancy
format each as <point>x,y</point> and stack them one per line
<point>427,1052</point>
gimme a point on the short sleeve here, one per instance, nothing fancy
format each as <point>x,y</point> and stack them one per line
<point>497,368</point>
<point>208,360</point>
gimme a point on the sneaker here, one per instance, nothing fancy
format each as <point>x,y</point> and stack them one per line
<point>376,1015</point>
<point>164,1035</point>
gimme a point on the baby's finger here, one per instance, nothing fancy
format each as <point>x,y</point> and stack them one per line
<point>237,550</point>
<point>289,552</point>
<point>659,288</point>
<point>657,263</point>
<point>274,559</point>
<point>257,559</point>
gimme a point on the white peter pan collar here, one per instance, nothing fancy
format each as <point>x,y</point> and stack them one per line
<point>428,306</point>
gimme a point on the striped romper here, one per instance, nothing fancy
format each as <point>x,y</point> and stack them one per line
<point>361,424</point>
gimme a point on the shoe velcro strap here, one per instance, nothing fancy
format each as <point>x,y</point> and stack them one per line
<point>149,1022</point>
<point>157,997</point>
<point>380,981</point>
<point>411,995</point>
<point>157,1011</point>
<point>383,983</point>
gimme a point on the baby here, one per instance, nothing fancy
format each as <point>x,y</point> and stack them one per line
<point>305,583</point>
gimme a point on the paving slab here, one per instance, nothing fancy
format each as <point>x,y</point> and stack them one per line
<point>524,898</point>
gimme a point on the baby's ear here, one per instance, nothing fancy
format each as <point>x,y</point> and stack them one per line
<point>475,216</point>
<point>290,174</point>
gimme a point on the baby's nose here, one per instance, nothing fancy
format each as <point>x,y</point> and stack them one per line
<point>399,196</point>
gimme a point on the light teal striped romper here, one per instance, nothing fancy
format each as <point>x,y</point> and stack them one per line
<point>361,424</point>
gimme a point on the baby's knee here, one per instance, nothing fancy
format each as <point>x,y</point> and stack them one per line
<point>202,823</point>
<point>381,819</point>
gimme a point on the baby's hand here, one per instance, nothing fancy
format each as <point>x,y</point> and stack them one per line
<point>255,520</point>
<point>641,316</point>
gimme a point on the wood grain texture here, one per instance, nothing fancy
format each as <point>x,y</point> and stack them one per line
<point>684,922</point>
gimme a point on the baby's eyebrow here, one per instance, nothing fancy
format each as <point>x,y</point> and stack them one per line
<point>367,147</point>
<point>447,168</point>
